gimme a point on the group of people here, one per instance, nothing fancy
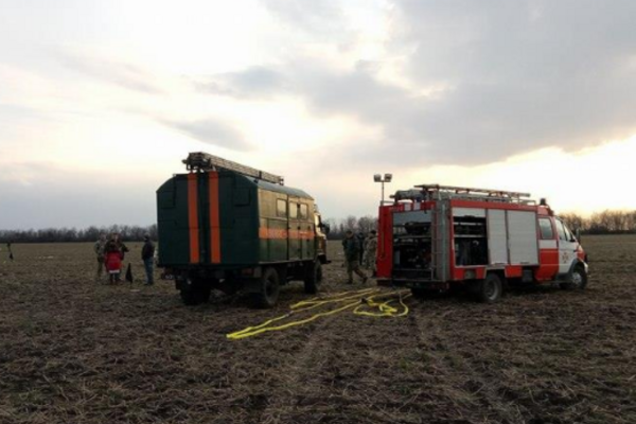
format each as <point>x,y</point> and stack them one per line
<point>111,251</point>
<point>360,250</point>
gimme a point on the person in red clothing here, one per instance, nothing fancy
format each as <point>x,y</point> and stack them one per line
<point>112,259</point>
<point>114,254</point>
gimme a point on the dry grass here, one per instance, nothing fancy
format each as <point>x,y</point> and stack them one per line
<point>73,351</point>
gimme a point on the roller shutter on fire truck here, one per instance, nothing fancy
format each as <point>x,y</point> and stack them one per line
<point>512,235</point>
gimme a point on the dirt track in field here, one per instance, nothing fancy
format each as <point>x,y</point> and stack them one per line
<point>73,351</point>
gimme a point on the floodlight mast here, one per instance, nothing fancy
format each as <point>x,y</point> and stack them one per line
<point>378,178</point>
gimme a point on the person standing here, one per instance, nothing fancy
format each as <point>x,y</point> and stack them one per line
<point>10,251</point>
<point>352,252</point>
<point>123,249</point>
<point>101,255</point>
<point>148,255</point>
<point>361,241</point>
<point>113,256</point>
<point>370,251</point>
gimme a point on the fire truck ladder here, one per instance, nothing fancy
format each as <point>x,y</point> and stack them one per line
<point>439,192</point>
<point>202,162</point>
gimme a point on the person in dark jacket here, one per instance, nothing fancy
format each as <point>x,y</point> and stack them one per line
<point>147,255</point>
<point>352,250</point>
<point>362,241</point>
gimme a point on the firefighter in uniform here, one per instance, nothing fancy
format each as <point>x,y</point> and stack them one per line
<point>352,250</point>
<point>370,249</point>
<point>101,255</point>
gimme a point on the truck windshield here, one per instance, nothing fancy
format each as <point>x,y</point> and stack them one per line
<point>564,233</point>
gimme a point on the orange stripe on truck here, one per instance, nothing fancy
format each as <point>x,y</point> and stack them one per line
<point>193,218</point>
<point>281,234</point>
<point>215,221</point>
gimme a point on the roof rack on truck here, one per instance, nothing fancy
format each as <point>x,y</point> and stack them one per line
<point>424,192</point>
<point>199,161</point>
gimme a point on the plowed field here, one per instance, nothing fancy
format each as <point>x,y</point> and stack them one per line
<point>75,351</point>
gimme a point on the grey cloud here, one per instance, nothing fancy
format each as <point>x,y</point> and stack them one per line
<point>323,18</point>
<point>212,132</point>
<point>38,195</point>
<point>254,82</point>
<point>525,75</point>
<point>121,74</point>
<point>518,76</point>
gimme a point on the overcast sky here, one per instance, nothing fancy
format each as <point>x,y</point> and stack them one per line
<point>100,101</point>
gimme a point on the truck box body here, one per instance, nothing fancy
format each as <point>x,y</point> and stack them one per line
<point>230,227</point>
<point>227,220</point>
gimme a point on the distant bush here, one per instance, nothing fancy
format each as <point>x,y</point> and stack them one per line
<point>605,222</point>
<point>66,235</point>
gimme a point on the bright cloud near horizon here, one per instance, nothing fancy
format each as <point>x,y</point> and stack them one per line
<point>100,101</point>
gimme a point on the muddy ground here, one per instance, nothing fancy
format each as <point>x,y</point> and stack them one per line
<point>73,351</point>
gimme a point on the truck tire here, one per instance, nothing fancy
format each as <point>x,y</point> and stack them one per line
<point>489,290</point>
<point>195,293</point>
<point>313,277</point>
<point>579,279</point>
<point>269,289</point>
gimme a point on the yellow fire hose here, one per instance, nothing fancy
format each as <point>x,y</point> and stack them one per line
<point>359,300</point>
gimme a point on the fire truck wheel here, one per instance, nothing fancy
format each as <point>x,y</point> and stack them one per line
<point>269,289</point>
<point>489,289</point>
<point>579,279</point>
<point>196,293</point>
<point>313,277</point>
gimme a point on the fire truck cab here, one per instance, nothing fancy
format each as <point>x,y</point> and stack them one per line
<point>434,237</point>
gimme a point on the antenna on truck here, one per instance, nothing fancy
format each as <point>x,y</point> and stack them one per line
<point>200,161</point>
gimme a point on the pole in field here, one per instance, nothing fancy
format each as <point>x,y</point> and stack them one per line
<point>378,178</point>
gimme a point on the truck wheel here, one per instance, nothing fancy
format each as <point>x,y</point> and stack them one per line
<point>195,293</point>
<point>489,290</point>
<point>579,279</point>
<point>313,277</point>
<point>269,289</point>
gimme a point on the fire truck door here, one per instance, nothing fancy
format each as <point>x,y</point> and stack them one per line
<point>567,247</point>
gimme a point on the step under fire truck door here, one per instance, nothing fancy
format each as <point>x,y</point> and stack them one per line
<point>523,244</point>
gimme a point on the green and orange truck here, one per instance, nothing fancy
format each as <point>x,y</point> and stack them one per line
<point>230,227</point>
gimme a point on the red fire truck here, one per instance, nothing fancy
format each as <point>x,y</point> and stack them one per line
<point>434,237</point>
